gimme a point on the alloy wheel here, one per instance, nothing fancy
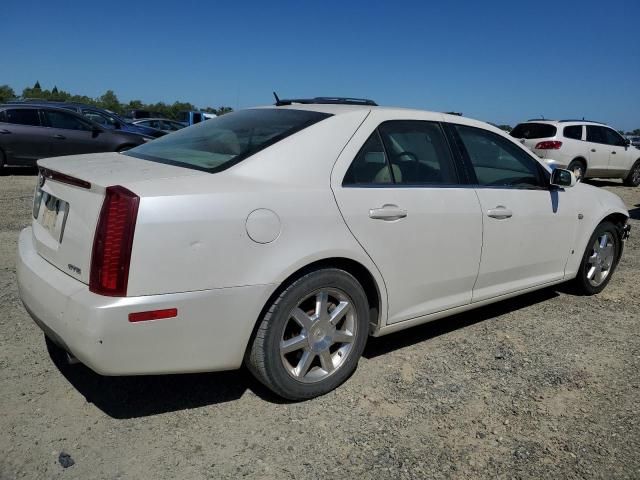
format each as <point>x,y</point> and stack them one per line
<point>635,175</point>
<point>600,262</point>
<point>318,335</point>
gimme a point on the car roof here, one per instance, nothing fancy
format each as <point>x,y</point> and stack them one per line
<point>337,109</point>
<point>34,105</point>
<point>563,122</point>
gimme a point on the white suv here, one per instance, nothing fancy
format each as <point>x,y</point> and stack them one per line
<point>589,149</point>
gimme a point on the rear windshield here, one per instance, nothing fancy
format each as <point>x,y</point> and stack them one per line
<point>223,141</point>
<point>533,130</point>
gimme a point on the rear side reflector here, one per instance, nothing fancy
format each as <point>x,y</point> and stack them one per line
<point>153,315</point>
<point>549,145</point>
<point>112,243</point>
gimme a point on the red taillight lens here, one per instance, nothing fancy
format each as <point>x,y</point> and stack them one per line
<point>549,145</point>
<point>112,243</point>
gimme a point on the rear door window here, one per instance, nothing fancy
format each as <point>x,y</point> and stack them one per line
<point>573,131</point>
<point>370,166</point>
<point>23,116</point>
<point>418,153</point>
<point>531,130</point>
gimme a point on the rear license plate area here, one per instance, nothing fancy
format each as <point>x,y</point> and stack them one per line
<point>51,213</point>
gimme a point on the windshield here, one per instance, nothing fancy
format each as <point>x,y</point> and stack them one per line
<point>223,141</point>
<point>533,130</point>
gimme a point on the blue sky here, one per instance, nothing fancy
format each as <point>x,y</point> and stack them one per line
<point>498,61</point>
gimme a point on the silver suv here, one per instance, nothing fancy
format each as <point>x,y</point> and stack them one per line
<point>589,149</point>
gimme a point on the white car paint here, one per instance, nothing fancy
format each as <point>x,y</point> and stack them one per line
<point>217,246</point>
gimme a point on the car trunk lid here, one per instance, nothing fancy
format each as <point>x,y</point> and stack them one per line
<point>69,197</point>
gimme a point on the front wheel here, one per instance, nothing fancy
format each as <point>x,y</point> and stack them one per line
<point>312,335</point>
<point>599,260</point>
<point>633,177</point>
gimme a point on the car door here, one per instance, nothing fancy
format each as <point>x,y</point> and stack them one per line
<point>22,137</point>
<point>73,135</point>
<point>620,159</point>
<point>400,194</point>
<point>598,151</point>
<point>528,227</point>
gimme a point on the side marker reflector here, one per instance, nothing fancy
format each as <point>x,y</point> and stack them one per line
<point>153,315</point>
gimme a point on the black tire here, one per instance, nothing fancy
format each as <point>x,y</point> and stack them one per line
<point>579,169</point>
<point>633,177</point>
<point>582,281</point>
<point>264,359</point>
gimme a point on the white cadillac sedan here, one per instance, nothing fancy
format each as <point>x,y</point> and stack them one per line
<point>282,237</point>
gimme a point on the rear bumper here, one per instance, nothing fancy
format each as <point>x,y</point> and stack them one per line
<point>210,332</point>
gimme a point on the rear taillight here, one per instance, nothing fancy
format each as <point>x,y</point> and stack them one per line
<point>549,145</point>
<point>112,243</point>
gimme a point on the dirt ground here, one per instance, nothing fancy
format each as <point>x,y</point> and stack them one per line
<point>543,386</point>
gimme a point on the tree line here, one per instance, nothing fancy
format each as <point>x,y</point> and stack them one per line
<point>108,100</point>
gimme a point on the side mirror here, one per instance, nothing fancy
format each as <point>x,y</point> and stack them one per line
<point>563,178</point>
<point>627,142</point>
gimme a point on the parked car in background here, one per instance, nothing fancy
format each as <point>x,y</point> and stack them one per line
<point>635,141</point>
<point>191,118</point>
<point>163,124</point>
<point>283,237</point>
<point>105,118</point>
<point>588,149</point>
<point>137,114</point>
<point>30,132</point>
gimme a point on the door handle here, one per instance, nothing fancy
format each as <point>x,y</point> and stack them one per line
<point>500,212</point>
<point>593,149</point>
<point>59,137</point>
<point>387,212</point>
<point>4,131</point>
<point>613,153</point>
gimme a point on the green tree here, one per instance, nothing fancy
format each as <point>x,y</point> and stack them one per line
<point>6,93</point>
<point>636,131</point>
<point>223,110</point>
<point>36,86</point>
<point>110,101</point>
<point>134,105</point>
<point>506,128</point>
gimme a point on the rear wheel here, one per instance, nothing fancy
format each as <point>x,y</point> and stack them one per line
<point>633,177</point>
<point>312,335</point>
<point>599,260</point>
<point>579,168</point>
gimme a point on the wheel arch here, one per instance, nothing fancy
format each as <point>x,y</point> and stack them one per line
<point>358,270</point>
<point>619,220</point>
<point>580,158</point>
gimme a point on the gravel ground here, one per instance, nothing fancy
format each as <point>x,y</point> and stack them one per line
<point>543,386</point>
